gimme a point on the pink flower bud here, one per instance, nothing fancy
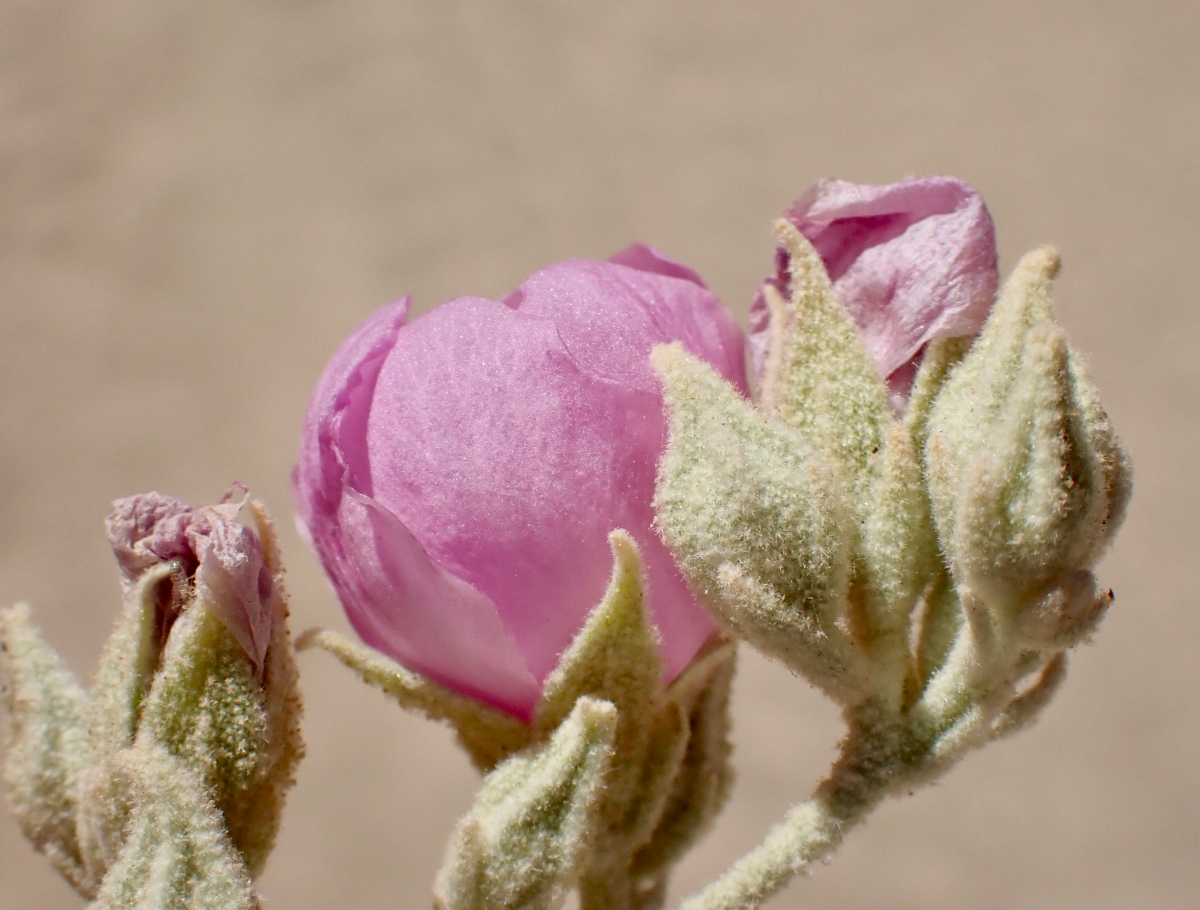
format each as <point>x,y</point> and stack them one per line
<point>459,475</point>
<point>910,261</point>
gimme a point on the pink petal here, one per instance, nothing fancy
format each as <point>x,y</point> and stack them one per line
<point>331,488</point>
<point>609,316</point>
<point>647,259</point>
<point>338,409</point>
<point>501,456</point>
<point>404,604</point>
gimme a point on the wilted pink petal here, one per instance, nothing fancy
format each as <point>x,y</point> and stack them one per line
<point>233,582</point>
<point>493,445</point>
<point>911,261</point>
<point>146,529</point>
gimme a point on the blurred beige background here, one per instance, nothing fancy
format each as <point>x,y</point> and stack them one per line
<point>198,201</point>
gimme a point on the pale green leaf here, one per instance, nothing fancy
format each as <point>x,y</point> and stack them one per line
<point>177,855</point>
<point>47,748</point>
<point>754,521</point>
<point>524,842</point>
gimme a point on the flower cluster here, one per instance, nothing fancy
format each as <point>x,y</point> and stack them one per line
<point>906,513</point>
<point>551,516</point>
<point>909,513</point>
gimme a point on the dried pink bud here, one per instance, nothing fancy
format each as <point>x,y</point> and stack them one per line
<point>223,557</point>
<point>910,261</point>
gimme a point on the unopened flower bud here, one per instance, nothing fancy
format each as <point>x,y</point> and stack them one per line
<point>1027,479</point>
<point>1024,506</point>
<point>459,475</point>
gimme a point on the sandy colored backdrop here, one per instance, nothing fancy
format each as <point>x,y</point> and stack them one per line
<point>198,201</point>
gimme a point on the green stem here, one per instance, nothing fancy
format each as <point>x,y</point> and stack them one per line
<point>874,762</point>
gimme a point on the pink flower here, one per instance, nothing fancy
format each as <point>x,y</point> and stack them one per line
<point>459,476</point>
<point>910,261</point>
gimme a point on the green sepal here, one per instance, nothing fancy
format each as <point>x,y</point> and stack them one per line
<point>941,356</point>
<point>107,795</point>
<point>177,854</point>
<point>940,616</point>
<point>47,744</point>
<point>488,735</point>
<point>126,669</point>
<point>970,402</point>
<point>819,377</point>
<point>1064,615</point>
<point>939,611</point>
<point>254,822</point>
<point>1026,708</point>
<point>1112,465</point>
<point>206,709</point>
<point>614,657</point>
<point>665,749</point>
<point>988,703</point>
<point>899,557</point>
<point>523,842</point>
<point>821,380</point>
<point>130,658</point>
<point>755,523</point>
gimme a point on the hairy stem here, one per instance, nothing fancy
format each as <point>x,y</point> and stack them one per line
<point>875,761</point>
